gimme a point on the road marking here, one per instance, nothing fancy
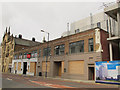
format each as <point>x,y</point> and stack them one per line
<point>51,85</point>
<point>8,79</point>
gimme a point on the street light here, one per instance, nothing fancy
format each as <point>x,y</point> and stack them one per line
<point>47,51</point>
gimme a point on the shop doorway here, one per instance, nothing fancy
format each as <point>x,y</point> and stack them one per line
<point>24,67</point>
<point>91,75</point>
<point>58,70</point>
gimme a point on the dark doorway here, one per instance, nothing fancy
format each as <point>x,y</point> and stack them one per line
<point>57,68</point>
<point>91,73</point>
<point>10,70</point>
<point>24,67</point>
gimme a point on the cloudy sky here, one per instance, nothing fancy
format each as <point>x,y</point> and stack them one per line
<point>28,18</point>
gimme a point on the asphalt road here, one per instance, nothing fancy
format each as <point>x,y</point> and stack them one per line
<point>20,81</point>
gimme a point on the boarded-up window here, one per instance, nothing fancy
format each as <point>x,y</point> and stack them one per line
<point>32,67</point>
<point>44,66</point>
<point>76,67</point>
<point>15,64</point>
<point>19,66</point>
<point>62,67</point>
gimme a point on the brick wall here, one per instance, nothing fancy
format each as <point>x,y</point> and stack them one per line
<point>105,46</point>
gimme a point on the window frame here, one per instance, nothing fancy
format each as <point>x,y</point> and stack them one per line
<point>45,51</point>
<point>90,43</point>
<point>75,47</point>
<point>60,48</point>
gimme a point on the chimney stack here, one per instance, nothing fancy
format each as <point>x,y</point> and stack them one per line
<point>33,39</point>
<point>9,30</point>
<point>44,39</point>
<point>20,36</point>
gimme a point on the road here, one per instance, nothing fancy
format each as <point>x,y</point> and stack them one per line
<point>23,81</point>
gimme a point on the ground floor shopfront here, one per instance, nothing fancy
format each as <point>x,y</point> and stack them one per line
<point>24,66</point>
<point>75,66</point>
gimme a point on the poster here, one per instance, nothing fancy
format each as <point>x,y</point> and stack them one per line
<point>107,72</point>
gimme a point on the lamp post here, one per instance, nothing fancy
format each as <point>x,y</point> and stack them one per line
<point>47,51</point>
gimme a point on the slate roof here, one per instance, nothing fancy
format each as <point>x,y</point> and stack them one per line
<point>25,42</point>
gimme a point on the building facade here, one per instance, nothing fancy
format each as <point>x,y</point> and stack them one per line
<point>10,44</point>
<point>72,56</point>
<point>100,20</point>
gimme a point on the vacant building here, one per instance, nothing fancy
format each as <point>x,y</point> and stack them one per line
<point>72,56</point>
<point>10,44</point>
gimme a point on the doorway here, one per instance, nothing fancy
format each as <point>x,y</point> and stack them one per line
<point>57,70</point>
<point>35,69</point>
<point>91,73</point>
<point>24,67</point>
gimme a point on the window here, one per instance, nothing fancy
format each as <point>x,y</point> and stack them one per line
<point>91,48</point>
<point>59,50</point>
<point>77,31</point>
<point>76,47</point>
<point>81,46</point>
<point>39,52</point>
<point>98,24</point>
<point>107,25</point>
<point>46,52</point>
<point>20,56</point>
<point>34,54</point>
<point>25,55</point>
<point>72,47</point>
<point>15,56</point>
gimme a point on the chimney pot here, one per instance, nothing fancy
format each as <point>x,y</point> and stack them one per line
<point>33,39</point>
<point>20,36</point>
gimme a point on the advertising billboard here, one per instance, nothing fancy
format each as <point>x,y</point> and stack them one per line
<point>107,72</point>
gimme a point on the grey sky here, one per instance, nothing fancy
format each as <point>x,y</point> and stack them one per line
<point>29,18</point>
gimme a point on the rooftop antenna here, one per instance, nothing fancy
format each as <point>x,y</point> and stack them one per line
<point>67,29</point>
<point>91,20</point>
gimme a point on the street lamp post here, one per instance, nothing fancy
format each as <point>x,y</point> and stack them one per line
<point>47,51</point>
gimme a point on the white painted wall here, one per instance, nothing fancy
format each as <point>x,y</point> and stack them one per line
<point>22,61</point>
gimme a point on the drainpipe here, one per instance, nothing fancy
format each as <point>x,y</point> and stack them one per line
<point>110,46</point>
<point>110,43</point>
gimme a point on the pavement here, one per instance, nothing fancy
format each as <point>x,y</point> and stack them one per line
<point>23,81</point>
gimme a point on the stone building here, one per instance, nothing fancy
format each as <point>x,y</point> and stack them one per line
<point>10,44</point>
<point>71,56</point>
